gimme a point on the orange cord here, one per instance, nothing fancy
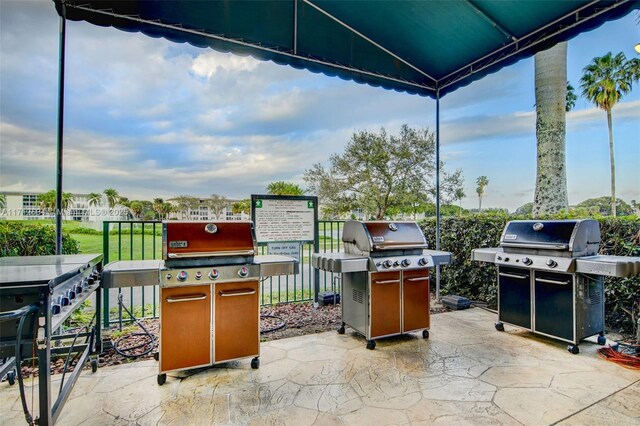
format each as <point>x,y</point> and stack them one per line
<point>625,360</point>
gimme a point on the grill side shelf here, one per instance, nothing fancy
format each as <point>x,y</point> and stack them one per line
<point>610,266</point>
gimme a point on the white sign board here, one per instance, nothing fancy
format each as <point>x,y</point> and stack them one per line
<point>285,249</point>
<point>284,220</point>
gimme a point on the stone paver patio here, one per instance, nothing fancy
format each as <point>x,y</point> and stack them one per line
<point>466,373</point>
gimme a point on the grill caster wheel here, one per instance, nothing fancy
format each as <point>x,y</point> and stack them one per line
<point>341,330</point>
<point>602,340</point>
<point>574,349</point>
<point>255,363</point>
<point>11,378</point>
<point>94,365</point>
<point>156,356</point>
<point>162,378</point>
<point>499,326</point>
<point>371,345</point>
<point>425,334</point>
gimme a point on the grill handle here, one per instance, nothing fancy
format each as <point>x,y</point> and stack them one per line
<point>536,246</point>
<point>399,246</point>
<point>386,282</point>
<point>556,282</point>
<point>189,298</point>
<point>418,279</point>
<point>518,276</point>
<point>237,293</point>
<point>211,254</point>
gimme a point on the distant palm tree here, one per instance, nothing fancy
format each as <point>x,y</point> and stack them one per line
<point>459,195</point>
<point>482,183</point>
<point>94,199</point>
<point>604,82</point>
<point>158,206</point>
<point>112,197</point>
<point>3,201</point>
<point>47,201</point>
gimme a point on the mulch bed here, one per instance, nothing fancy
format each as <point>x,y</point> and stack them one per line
<point>277,322</point>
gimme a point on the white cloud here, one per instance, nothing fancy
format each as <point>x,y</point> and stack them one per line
<point>209,64</point>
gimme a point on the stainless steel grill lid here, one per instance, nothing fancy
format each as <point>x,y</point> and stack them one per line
<point>575,238</point>
<point>365,238</point>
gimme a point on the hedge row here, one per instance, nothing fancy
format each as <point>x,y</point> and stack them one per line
<point>477,280</point>
<point>32,239</point>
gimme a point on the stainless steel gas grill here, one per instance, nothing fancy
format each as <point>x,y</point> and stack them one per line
<point>385,278</point>
<point>37,294</point>
<point>209,287</point>
<point>550,278</point>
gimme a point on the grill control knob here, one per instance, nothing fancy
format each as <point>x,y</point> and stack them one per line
<point>406,262</point>
<point>63,301</point>
<point>182,276</point>
<point>198,275</point>
<point>527,261</point>
<point>213,274</point>
<point>78,288</point>
<point>91,280</point>
<point>552,263</point>
<point>422,261</point>
<point>386,264</point>
<point>55,309</point>
<point>168,276</point>
<point>243,272</point>
<point>71,294</point>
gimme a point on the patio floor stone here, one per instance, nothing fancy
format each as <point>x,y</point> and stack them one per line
<point>466,373</point>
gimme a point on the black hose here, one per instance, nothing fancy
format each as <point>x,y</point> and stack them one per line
<point>152,342</point>
<point>276,328</point>
<point>23,398</point>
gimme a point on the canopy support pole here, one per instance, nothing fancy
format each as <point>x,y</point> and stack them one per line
<point>438,190</point>
<point>59,156</point>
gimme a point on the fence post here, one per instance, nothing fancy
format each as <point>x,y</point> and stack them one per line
<point>105,292</point>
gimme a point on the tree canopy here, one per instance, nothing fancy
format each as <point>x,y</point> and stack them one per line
<point>381,174</point>
<point>284,188</point>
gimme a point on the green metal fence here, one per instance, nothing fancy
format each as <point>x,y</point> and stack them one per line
<point>140,240</point>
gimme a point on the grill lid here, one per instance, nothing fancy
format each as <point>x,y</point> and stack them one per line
<point>366,237</point>
<point>579,237</point>
<point>207,240</point>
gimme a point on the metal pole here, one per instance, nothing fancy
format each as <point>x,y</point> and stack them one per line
<point>58,212</point>
<point>438,190</point>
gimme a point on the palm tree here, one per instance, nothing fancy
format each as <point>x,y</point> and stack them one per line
<point>157,206</point>
<point>482,183</point>
<point>112,197</point>
<point>47,201</point>
<point>459,195</point>
<point>604,82</point>
<point>552,103</point>
<point>284,188</point>
<point>136,208</point>
<point>3,201</point>
<point>94,199</point>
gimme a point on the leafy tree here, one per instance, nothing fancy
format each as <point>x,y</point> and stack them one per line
<point>158,204</point>
<point>458,196</point>
<point>482,183</point>
<point>571,98</point>
<point>123,201</point>
<point>186,204</point>
<point>47,201</point>
<point>284,188</point>
<point>94,199</point>
<point>136,208</point>
<point>604,82</point>
<point>602,206</point>
<point>217,204</point>
<point>242,206</point>
<point>524,209</point>
<point>378,173</point>
<point>551,105</point>
<point>112,197</point>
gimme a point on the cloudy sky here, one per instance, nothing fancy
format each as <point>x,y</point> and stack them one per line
<point>156,119</point>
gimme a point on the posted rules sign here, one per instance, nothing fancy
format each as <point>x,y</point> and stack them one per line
<point>284,219</point>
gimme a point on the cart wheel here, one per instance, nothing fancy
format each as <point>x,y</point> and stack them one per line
<point>425,334</point>
<point>573,349</point>
<point>94,365</point>
<point>11,378</point>
<point>602,340</point>
<point>341,329</point>
<point>499,326</point>
<point>162,378</point>
<point>371,345</point>
<point>156,356</point>
<point>255,363</point>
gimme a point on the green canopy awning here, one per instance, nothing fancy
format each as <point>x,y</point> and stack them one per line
<point>415,46</point>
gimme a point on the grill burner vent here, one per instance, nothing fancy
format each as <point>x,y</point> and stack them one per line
<point>358,296</point>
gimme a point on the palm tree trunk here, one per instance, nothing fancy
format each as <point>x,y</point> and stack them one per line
<point>479,203</point>
<point>551,86</point>
<point>613,167</point>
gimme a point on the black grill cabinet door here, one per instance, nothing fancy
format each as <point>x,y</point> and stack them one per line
<point>554,304</point>
<point>514,293</point>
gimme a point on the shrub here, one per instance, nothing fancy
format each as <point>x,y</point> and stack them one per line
<point>32,239</point>
<point>478,281</point>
